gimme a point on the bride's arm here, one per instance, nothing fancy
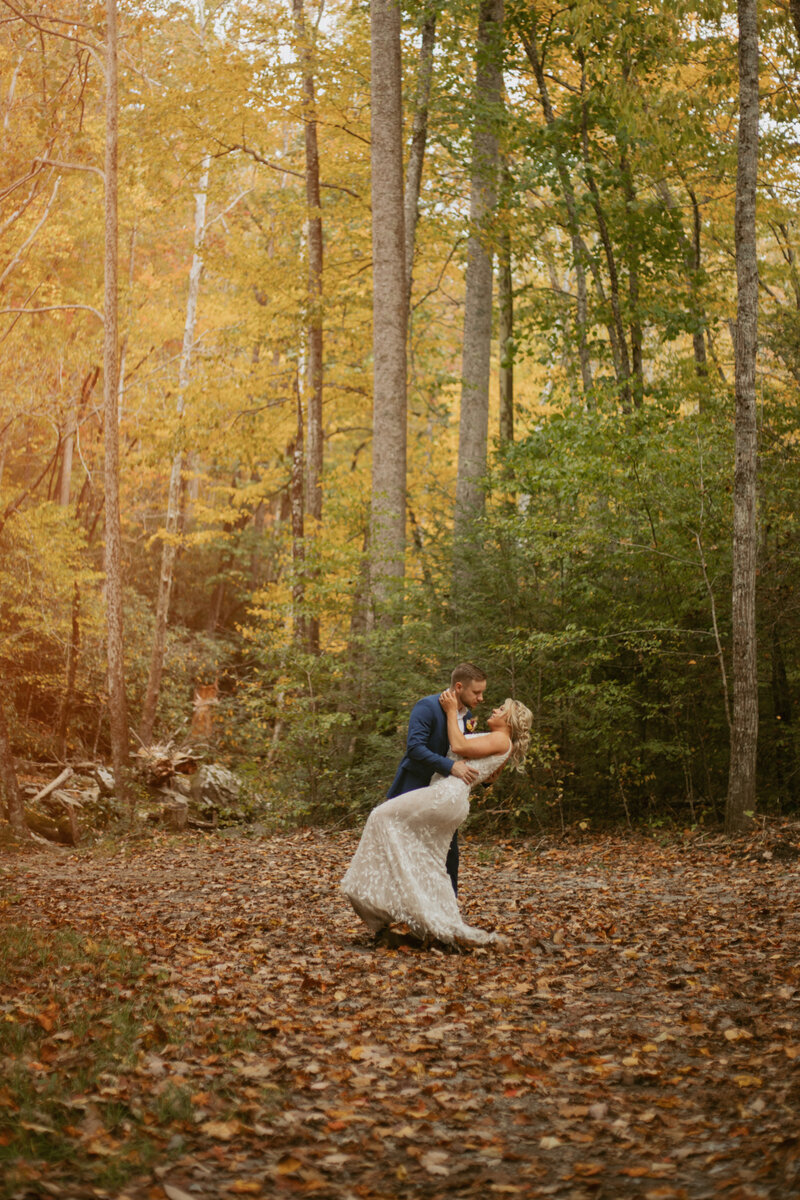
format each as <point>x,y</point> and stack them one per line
<point>474,747</point>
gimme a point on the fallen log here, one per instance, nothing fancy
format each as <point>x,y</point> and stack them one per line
<point>55,829</point>
<point>157,765</point>
<point>66,774</point>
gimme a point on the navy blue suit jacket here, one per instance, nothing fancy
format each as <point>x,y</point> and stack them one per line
<point>426,747</point>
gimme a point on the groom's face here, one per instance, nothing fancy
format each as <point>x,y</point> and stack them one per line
<point>470,693</point>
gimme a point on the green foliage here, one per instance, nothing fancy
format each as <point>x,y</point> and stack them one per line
<point>602,573</point>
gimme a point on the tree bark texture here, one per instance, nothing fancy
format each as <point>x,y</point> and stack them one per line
<point>65,480</point>
<point>73,651</point>
<point>314,242</point>
<point>505,304</point>
<point>298,528</point>
<point>313,440</point>
<point>744,734</point>
<point>169,546</point>
<point>387,537</point>
<point>11,797</point>
<point>632,253</point>
<point>117,705</point>
<point>419,136</point>
<point>473,427</point>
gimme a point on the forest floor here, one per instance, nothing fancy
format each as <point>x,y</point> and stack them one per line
<point>197,1017</point>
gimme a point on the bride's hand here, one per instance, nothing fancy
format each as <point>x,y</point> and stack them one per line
<point>448,701</point>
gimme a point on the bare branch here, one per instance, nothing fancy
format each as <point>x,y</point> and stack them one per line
<point>21,210</point>
<point>55,308</point>
<point>33,19</point>
<point>224,212</point>
<point>279,166</point>
<point>68,166</point>
<point>438,283</point>
<point>31,235</point>
<point>18,183</point>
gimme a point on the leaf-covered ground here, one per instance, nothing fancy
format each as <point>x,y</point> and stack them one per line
<point>206,1018</point>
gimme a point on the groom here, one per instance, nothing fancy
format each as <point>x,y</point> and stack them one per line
<point>427,744</point>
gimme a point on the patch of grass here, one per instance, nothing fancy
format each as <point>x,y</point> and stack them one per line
<point>174,1103</point>
<point>75,1015</point>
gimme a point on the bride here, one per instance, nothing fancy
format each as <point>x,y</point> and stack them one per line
<point>398,871</point>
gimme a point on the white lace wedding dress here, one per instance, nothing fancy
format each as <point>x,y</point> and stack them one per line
<point>398,871</point>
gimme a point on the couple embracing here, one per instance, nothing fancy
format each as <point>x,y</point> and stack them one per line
<point>406,866</point>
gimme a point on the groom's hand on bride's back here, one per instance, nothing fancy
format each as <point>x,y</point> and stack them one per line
<point>462,770</point>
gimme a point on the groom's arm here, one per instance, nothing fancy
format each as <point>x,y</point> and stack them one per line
<point>421,725</point>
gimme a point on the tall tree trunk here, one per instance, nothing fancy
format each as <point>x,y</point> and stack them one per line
<point>298,528</point>
<point>473,427</point>
<point>9,787</point>
<point>314,440</point>
<point>388,519</point>
<point>694,262</point>
<point>505,305</point>
<point>744,733</point>
<point>117,705</point>
<point>73,651</point>
<point>419,135</point>
<point>65,481</point>
<point>580,253</point>
<point>632,248</point>
<point>169,547</point>
<point>623,362</point>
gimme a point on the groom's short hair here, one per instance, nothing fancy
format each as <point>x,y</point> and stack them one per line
<point>466,672</point>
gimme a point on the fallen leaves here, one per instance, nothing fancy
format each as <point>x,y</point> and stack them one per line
<point>222,1131</point>
<point>641,1032</point>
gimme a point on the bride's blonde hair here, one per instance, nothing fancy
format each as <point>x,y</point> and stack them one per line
<point>519,720</point>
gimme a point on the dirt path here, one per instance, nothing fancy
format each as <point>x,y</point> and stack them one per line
<point>640,1038</point>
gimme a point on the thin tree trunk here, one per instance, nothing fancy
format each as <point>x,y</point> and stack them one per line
<point>419,136</point>
<point>473,427</point>
<point>73,650</point>
<point>9,786</point>
<point>169,546</point>
<point>387,538</point>
<point>117,704</point>
<point>580,254</point>
<point>692,256</point>
<point>298,528</point>
<point>605,237</point>
<point>693,264</point>
<point>65,481</point>
<point>633,279</point>
<point>505,304</point>
<point>314,438</point>
<point>741,798</point>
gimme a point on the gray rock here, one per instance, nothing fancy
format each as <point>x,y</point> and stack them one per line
<point>215,786</point>
<point>105,780</point>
